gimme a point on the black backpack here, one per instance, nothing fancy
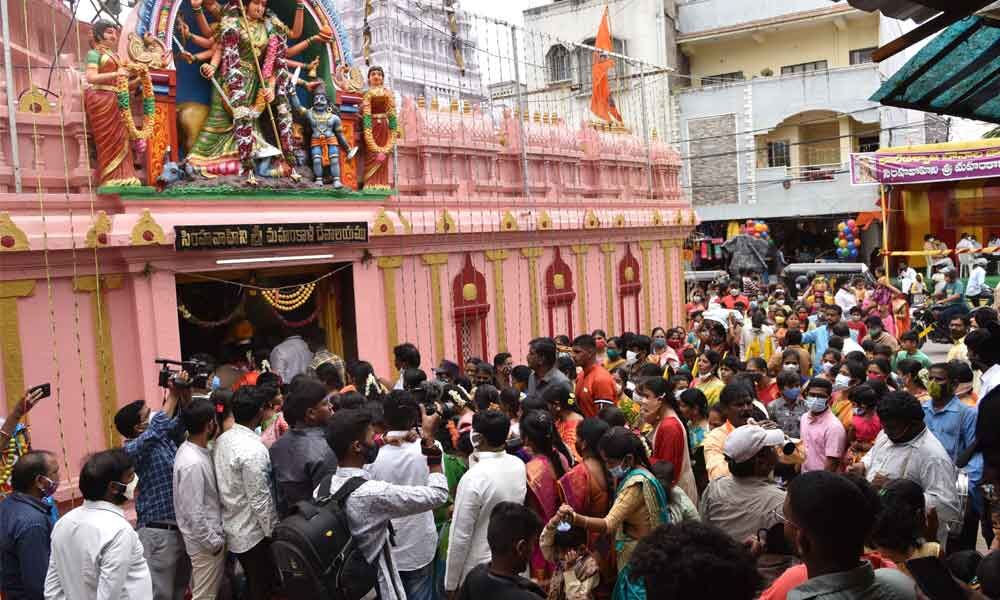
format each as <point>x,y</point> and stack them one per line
<point>316,555</point>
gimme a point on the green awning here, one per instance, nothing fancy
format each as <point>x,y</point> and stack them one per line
<point>957,73</point>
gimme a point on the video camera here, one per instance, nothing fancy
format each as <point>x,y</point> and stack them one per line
<point>436,396</point>
<point>198,373</point>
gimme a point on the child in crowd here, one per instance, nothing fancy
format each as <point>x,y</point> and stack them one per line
<point>715,417</point>
<point>865,424</point>
<point>576,575</point>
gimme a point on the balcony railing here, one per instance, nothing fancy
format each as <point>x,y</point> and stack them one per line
<point>696,16</point>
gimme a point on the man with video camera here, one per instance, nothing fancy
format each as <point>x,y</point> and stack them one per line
<point>151,444</point>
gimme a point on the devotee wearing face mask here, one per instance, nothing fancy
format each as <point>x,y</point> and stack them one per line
<point>822,433</point>
<point>374,503</point>
<point>94,547</point>
<point>196,499</point>
<point>905,448</point>
<point>494,477</point>
<point>25,526</point>
<point>151,444</point>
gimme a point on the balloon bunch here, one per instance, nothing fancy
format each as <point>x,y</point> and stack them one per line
<point>847,242</point>
<point>757,229</point>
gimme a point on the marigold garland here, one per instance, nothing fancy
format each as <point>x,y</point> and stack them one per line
<point>148,103</point>
<point>191,318</point>
<point>296,324</point>
<point>366,111</point>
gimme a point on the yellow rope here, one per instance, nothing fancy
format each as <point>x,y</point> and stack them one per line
<point>45,256</point>
<point>72,238</point>
<point>98,298</point>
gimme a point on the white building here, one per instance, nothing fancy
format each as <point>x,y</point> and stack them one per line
<point>776,102</point>
<point>558,74</point>
<point>412,41</point>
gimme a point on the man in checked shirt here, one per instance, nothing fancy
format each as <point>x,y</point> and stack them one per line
<point>150,445</point>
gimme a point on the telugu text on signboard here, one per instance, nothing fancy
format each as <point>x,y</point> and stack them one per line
<point>276,235</point>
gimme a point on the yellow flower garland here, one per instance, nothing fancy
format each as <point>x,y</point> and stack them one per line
<point>366,110</point>
<point>125,108</point>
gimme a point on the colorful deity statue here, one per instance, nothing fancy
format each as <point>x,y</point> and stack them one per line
<point>252,85</point>
<point>327,134</point>
<point>108,101</point>
<point>378,109</point>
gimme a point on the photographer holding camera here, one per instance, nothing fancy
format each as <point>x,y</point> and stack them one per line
<point>150,445</point>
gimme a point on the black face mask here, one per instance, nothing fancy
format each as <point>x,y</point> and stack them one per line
<point>370,452</point>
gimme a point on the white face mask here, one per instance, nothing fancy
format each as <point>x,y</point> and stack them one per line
<point>827,366</point>
<point>791,367</point>
<point>129,488</point>
<point>842,381</point>
<point>630,356</point>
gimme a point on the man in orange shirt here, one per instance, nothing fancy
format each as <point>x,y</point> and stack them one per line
<point>594,386</point>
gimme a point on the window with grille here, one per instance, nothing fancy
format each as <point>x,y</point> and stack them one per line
<point>723,78</point>
<point>818,65</point>
<point>778,154</point>
<point>868,143</point>
<point>559,67</point>
<point>585,62</point>
<point>862,56</point>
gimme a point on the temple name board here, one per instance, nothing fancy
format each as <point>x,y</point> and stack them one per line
<point>227,237</point>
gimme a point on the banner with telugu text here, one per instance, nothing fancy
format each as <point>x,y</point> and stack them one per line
<point>901,168</point>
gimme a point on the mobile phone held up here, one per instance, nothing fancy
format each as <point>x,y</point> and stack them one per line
<point>46,389</point>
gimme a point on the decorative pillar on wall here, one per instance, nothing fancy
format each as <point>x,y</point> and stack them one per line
<point>559,292</point>
<point>471,307</point>
<point>389,266</point>
<point>609,285</point>
<point>669,281</point>
<point>675,274</point>
<point>10,337</point>
<point>497,258</point>
<point>581,250</point>
<point>533,254</point>
<point>647,285</point>
<point>435,261</point>
<point>629,285</point>
<point>107,389</point>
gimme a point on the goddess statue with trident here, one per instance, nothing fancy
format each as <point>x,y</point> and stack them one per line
<point>250,77</point>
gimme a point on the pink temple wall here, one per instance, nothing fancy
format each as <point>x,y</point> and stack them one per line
<point>452,162</point>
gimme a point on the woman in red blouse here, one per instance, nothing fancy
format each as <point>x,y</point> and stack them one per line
<point>659,409</point>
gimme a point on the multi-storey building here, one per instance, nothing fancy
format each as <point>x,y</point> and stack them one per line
<point>777,100</point>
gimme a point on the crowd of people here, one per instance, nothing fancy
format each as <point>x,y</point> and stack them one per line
<point>783,444</point>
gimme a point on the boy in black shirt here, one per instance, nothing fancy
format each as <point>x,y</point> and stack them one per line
<point>512,534</point>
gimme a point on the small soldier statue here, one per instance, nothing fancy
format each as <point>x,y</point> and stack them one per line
<point>327,134</point>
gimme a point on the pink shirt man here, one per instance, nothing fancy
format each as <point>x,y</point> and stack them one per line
<point>824,437</point>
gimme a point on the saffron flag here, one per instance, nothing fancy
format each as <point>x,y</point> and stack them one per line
<point>601,103</point>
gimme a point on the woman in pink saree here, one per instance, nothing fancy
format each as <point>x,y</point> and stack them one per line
<point>589,489</point>
<point>538,429</point>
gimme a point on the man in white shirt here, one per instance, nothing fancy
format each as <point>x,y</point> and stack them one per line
<point>976,288</point>
<point>907,275</point>
<point>968,242</point>
<point>196,500</point>
<point>243,472</point>
<point>95,552</point>
<point>401,462</point>
<point>291,357</point>
<point>494,477</point>
<point>905,448</point>
<point>845,297</point>
<point>375,503</point>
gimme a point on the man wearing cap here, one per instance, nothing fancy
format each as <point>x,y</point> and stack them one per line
<point>976,290</point>
<point>743,502</point>
<point>447,372</point>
